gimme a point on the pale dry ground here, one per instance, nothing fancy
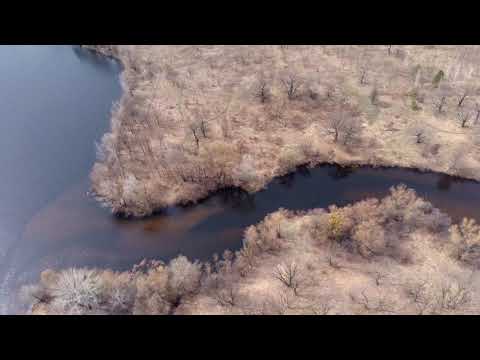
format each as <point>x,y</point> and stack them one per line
<point>194,118</point>
<point>407,267</point>
<point>397,255</point>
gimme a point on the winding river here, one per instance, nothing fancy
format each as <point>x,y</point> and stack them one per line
<point>55,104</point>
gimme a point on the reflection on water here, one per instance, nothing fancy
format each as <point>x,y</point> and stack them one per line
<point>340,172</point>
<point>47,220</point>
<point>237,199</point>
<point>445,182</point>
<point>304,171</point>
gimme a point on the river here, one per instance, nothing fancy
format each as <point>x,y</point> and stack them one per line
<point>55,105</point>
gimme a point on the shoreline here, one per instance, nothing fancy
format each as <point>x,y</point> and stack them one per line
<point>396,254</point>
<point>340,157</point>
<point>191,203</point>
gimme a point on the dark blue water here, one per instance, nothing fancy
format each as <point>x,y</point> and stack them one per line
<point>55,104</point>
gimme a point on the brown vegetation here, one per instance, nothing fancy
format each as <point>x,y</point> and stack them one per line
<point>193,119</point>
<point>397,255</point>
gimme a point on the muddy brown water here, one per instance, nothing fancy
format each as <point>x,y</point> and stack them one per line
<point>55,104</point>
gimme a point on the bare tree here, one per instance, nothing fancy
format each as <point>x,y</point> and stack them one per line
<point>452,296</point>
<point>292,84</point>
<point>204,128</point>
<point>330,92</point>
<point>449,296</point>
<point>477,113</point>
<point>349,134</point>
<point>39,293</point>
<point>463,117</point>
<point>334,264</point>
<point>277,110</point>
<point>364,65</point>
<point>374,96</point>
<point>262,92</point>
<point>415,291</point>
<point>418,293</point>
<point>442,94</point>
<point>183,280</point>
<point>363,75</point>
<point>289,276</point>
<point>440,103</point>
<point>379,276</point>
<point>343,123</point>
<point>312,304</point>
<point>351,130</point>
<point>194,129</point>
<point>321,307</point>
<point>419,134</point>
<point>227,296</point>
<point>438,78</point>
<point>380,305</point>
<point>226,127</point>
<point>463,96</point>
<point>336,124</point>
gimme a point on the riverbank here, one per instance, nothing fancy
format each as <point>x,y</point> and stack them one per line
<point>194,119</point>
<point>396,255</point>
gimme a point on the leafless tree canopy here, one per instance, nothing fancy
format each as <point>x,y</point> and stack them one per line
<point>463,117</point>
<point>289,275</point>
<point>262,92</point>
<point>292,83</point>
<point>397,255</point>
<point>343,125</point>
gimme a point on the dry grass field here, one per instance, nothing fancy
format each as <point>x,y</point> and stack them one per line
<point>193,119</point>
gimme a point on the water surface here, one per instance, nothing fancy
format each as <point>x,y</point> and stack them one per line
<point>55,104</point>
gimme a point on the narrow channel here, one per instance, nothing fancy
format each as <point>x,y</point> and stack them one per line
<point>55,105</point>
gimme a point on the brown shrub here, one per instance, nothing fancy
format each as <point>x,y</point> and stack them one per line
<point>369,237</point>
<point>465,242</point>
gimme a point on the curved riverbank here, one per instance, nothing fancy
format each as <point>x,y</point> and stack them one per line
<point>193,120</point>
<point>395,255</point>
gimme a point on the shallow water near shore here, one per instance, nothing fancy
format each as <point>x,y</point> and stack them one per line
<point>55,104</point>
